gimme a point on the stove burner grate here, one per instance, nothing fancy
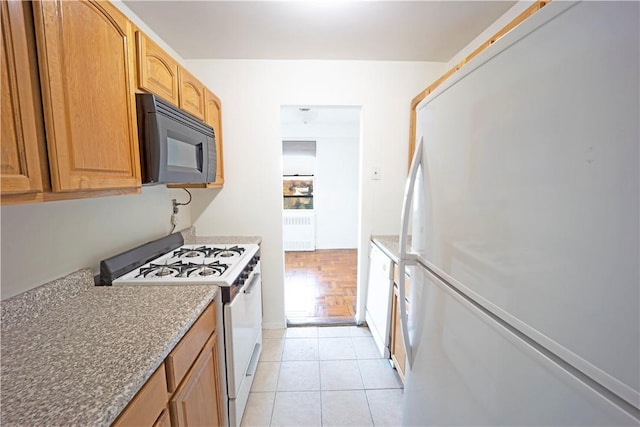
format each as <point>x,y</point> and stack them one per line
<point>193,252</point>
<point>181,269</point>
<point>215,268</point>
<point>161,270</point>
<point>227,252</point>
<point>208,252</point>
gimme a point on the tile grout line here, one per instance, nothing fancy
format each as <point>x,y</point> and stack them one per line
<point>275,393</point>
<point>320,386</point>
<point>366,396</point>
<point>318,361</point>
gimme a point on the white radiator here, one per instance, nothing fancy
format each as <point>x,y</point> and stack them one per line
<point>299,230</point>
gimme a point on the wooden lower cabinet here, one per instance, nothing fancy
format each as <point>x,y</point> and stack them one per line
<point>176,397</point>
<point>197,399</point>
<point>164,420</point>
<point>148,406</point>
<point>398,353</point>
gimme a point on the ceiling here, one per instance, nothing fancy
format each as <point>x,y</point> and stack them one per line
<point>319,30</point>
<point>320,115</point>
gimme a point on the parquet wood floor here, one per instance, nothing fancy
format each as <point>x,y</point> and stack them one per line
<point>320,286</point>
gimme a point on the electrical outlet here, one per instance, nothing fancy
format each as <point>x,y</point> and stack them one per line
<point>375,173</point>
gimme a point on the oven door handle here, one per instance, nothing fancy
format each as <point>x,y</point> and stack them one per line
<point>252,283</point>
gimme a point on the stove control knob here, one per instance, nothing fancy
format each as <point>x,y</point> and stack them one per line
<point>244,276</point>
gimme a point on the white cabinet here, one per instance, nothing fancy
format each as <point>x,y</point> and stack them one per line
<point>379,292</point>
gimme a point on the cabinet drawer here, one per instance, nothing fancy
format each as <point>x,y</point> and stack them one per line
<point>407,281</point>
<point>185,353</point>
<point>150,401</point>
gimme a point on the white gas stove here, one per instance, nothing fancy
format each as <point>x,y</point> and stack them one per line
<point>220,264</point>
<point>236,270</point>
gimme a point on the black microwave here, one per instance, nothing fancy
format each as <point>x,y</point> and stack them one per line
<point>175,147</point>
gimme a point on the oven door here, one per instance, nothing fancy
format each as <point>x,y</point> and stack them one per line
<point>243,334</point>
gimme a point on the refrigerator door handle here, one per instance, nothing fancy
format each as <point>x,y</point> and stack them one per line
<point>407,258</point>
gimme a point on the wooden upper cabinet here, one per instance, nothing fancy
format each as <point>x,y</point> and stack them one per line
<point>86,53</point>
<point>22,134</point>
<point>157,70</point>
<point>191,94</point>
<point>213,117</point>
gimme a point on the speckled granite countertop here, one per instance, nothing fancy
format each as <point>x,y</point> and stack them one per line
<point>390,245</point>
<point>78,358</point>
<point>190,238</point>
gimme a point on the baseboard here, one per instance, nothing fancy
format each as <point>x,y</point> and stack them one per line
<point>324,321</point>
<point>273,325</point>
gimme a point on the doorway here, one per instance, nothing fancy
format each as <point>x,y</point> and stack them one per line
<point>320,199</point>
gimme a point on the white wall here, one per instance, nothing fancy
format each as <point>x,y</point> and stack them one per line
<point>336,195</point>
<point>298,164</point>
<point>336,176</point>
<point>252,93</point>
<point>147,30</point>
<point>44,241</point>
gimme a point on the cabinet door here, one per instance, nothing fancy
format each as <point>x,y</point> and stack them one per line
<point>191,94</point>
<point>157,70</point>
<point>398,353</point>
<point>85,52</point>
<point>213,118</point>
<point>197,401</point>
<point>163,420</point>
<point>21,116</point>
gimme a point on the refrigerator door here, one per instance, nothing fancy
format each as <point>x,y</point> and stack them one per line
<point>531,165</point>
<point>471,369</point>
<point>413,199</point>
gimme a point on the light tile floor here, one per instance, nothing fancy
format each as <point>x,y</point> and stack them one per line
<point>323,376</point>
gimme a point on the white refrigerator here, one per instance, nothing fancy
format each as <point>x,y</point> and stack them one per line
<point>523,206</point>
